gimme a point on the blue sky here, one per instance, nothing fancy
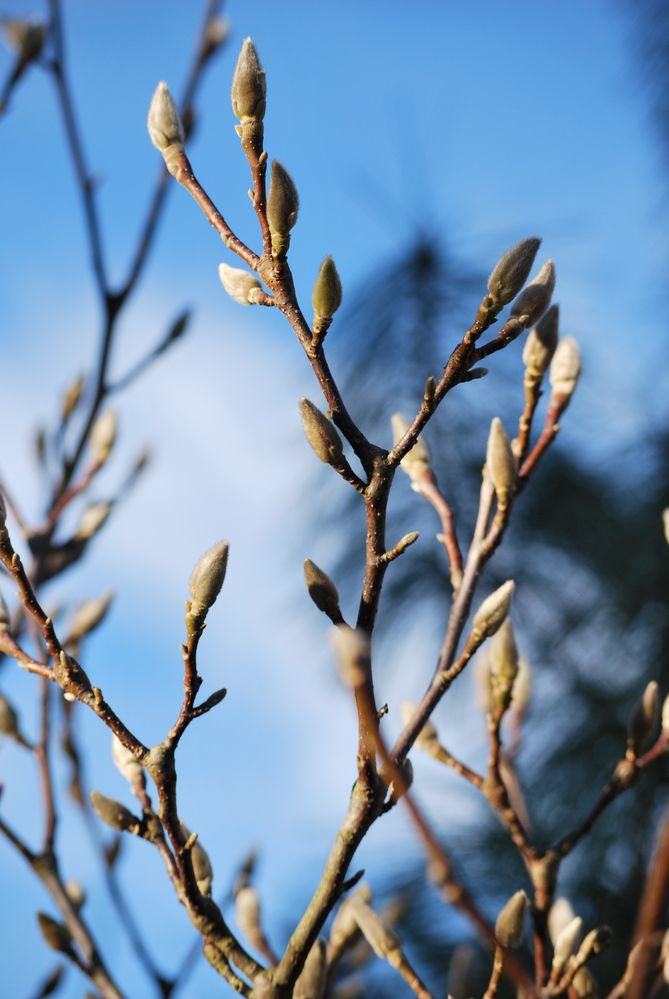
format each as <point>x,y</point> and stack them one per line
<point>488,121</point>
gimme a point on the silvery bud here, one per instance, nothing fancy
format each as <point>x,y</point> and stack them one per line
<point>93,519</point>
<point>417,460</point>
<point>55,935</point>
<point>321,434</point>
<point>352,649</point>
<point>89,615</point>
<point>492,612</point>
<point>125,762</point>
<point>113,813</point>
<point>249,89</point>
<point>428,736</point>
<point>9,722</point>
<point>566,367</point>
<point>644,718</point>
<point>103,436</point>
<point>566,942</point>
<point>511,920</point>
<point>344,925</point>
<point>208,576</point>
<point>216,32</point>
<point>163,122</point>
<point>242,286</point>
<point>247,912</point>
<point>560,915</point>
<point>282,208</point>
<point>541,343</point>
<point>500,462</point>
<point>311,982</point>
<point>380,938</point>
<point>512,271</point>
<point>503,665</point>
<point>322,591</point>
<point>584,985</point>
<point>327,294</point>
<point>535,298</point>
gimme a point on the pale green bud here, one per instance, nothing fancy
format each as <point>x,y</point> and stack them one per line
<point>512,271</point>
<point>103,436</point>
<point>541,343</point>
<point>113,813</point>
<point>510,922</point>
<point>644,718</point>
<point>208,575</point>
<point>163,122</point>
<point>565,367</point>
<point>535,298</point>
<point>89,615</point>
<point>249,88</point>
<point>492,612</point>
<point>322,590</point>
<point>500,462</point>
<point>321,434</point>
<point>503,665</point>
<point>282,208</point>
<point>311,982</point>
<point>327,293</point>
<point>242,286</point>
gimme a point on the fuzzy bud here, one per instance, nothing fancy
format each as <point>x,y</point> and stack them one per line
<point>202,869</point>
<point>327,294</point>
<point>428,737</point>
<point>522,687</point>
<point>124,761</point>
<point>500,462</point>
<point>565,367</point>
<point>503,665</point>
<point>566,943</point>
<point>560,915</point>
<point>103,436</point>
<point>344,925</point>
<point>595,942</point>
<point>163,122</point>
<point>492,612</point>
<point>9,722</point>
<point>113,813</point>
<point>311,982</point>
<point>510,922</point>
<point>249,90</point>
<point>584,985</point>
<point>93,519</point>
<point>242,286</point>
<point>351,647</point>
<point>89,615</point>
<point>535,298</point>
<point>321,434</point>
<point>282,208</point>
<point>512,271</point>
<point>247,912</point>
<point>56,936</point>
<point>322,591</point>
<point>208,576</point>
<point>417,460</point>
<point>644,718</point>
<point>541,344</point>
<point>380,938</point>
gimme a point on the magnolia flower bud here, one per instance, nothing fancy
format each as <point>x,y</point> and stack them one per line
<point>113,813</point>
<point>76,893</point>
<point>522,687</point>
<point>644,718</point>
<point>510,922</point>
<point>202,869</point>
<point>103,436</point>
<point>380,938</point>
<point>56,936</point>
<point>282,208</point>
<point>566,367</point>
<point>595,942</point>
<point>72,398</point>
<point>541,343</point>
<point>124,761</point>
<point>248,92</point>
<point>9,722</point>
<point>512,271</point>
<point>89,615</point>
<point>93,519</point>
<point>428,737</point>
<point>311,982</point>
<point>351,647</point>
<point>163,122</point>
<point>242,286</point>
<point>500,462</point>
<point>216,32</point>
<point>417,460</point>
<point>207,577</point>
<point>492,612</point>
<point>247,912</point>
<point>584,985</point>
<point>566,943</point>
<point>535,298</point>
<point>322,591</point>
<point>327,294</point>
<point>344,925</point>
<point>321,434</point>
<point>503,664</point>
<point>665,715</point>
<point>560,915</point>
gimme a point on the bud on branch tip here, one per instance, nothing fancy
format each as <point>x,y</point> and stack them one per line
<point>163,122</point>
<point>248,92</point>
<point>512,271</point>
<point>208,576</point>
